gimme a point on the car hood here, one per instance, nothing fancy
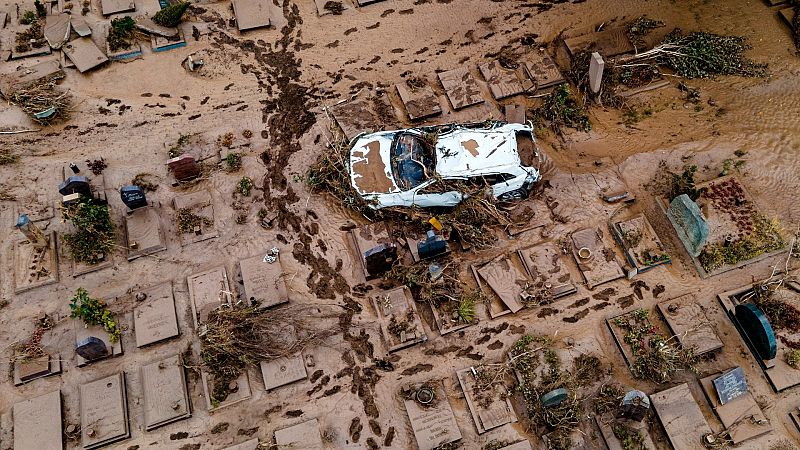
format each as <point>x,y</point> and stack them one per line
<point>370,165</point>
<point>467,152</point>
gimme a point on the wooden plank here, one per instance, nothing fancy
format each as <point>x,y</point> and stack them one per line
<point>687,321</point>
<point>419,102</point>
<point>741,417</point>
<point>502,82</point>
<point>609,42</point>
<point>601,266</point>
<point>681,417</point>
<point>461,87</point>
<point>207,291</point>
<point>506,280</point>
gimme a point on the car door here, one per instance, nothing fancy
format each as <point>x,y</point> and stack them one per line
<point>435,193</point>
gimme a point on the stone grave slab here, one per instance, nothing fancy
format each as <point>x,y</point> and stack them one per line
<point>304,435</point>
<point>166,398</point>
<point>503,82</point>
<point>609,42</point>
<point>283,371</point>
<point>56,30</point>
<point>83,331</point>
<point>601,265</point>
<point>324,6</point>
<point>104,412</point>
<point>147,25</point>
<point>163,43</point>
<point>264,283</point>
<point>37,423</point>
<point>606,423</point>
<point>461,87</point>
<point>207,291</point>
<point>44,366</point>
<point>80,26</point>
<point>399,319</point>
<point>542,70</point>
<point>545,264</point>
<point>433,424</point>
<point>41,51</point>
<point>123,54</point>
<point>84,53</point>
<point>117,6</point>
<point>154,318</point>
<point>641,245</point>
<point>198,203</point>
<point>251,14</point>
<point>144,234</point>
<point>24,76</point>
<point>742,416</point>
<point>514,113</point>
<point>419,102</point>
<point>687,321</point>
<point>506,280</point>
<point>494,412</point>
<point>364,114</point>
<point>367,238</point>
<point>241,392</point>
<point>252,444</point>
<point>681,417</point>
<point>35,267</point>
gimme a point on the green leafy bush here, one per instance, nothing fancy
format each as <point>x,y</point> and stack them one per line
<point>704,55</point>
<point>95,234</point>
<point>121,33</point>
<point>560,109</point>
<point>171,15</point>
<point>245,186</point>
<point>94,312</point>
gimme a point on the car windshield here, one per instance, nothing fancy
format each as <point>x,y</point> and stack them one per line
<point>412,161</point>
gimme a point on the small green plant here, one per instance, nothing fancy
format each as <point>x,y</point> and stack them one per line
<point>466,310</point>
<point>245,186</point>
<point>28,17</point>
<point>233,162</point>
<point>561,109</point>
<point>793,359</point>
<point>177,149</point>
<point>121,33</point>
<point>629,438</point>
<point>766,237</point>
<point>94,237</point>
<point>94,312</point>
<point>171,15</point>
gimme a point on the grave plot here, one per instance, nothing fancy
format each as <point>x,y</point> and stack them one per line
<point>506,279</point>
<point>237,390</point>
<point>35,263</point>
<point>194,217</point>
<point>263,280</point>
<point>609,42</point>
<point>641,245</point>
<point>461,87</point>
<point>163,43</point>
<point>207,291</point>
<point>681,417</point>
<point>104,412</point>
<point>93,343</point>
<point>364,114</point>
<point>154,317</point>
<point>723,229</point>
<point>335,7</point>
<point>375,248</point>
<point>432,419</point>
<point>735,405</point>
<point>687,321</point>
<point>144,234</point>
<point>37,423</point>
<point>611,426</point>
<point>418,99</point>
<point>252,444</point>
<point>97,183</point>
<point>529,215</point>
<point>767,321</point>
<point>251,14</point>
<point>166,398</point>
<point>503,81</point>
<point>490,406</point>
<point>542,70</point>
<point>283,371</point>
<point>399,319</point>
<point>122,54</point>
<point>547,267</point>
<point>304,435</point>
<point>39,356</point>
<point>595,258</point>
<point>84,53</point>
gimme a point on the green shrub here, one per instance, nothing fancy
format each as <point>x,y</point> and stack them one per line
<point>233,162</point>
<point>94,312</point>
<point>121,33</point>
<point>94,237</point>
<point>245,186</point>
<point>171,15</point>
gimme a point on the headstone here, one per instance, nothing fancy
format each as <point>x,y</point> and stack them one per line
<point>758,330</point>
<point>31,231</point>
<point>104,411</point>
<point>155,320</point>
<point>91,348</point>
<point>730,385</point>
<point>596,66</point>
<point>133,197</point>
<point>184,167</point>
<point>37,423</point>
<point>635,406</point>
<point>76,184</point>
<point>433,245</point>
<point>554,397</point>
<point>166,398</point>
<point>689,223</point>
<point>379,259</point>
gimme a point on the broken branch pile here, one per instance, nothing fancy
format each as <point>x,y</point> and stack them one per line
<point>42,101</point>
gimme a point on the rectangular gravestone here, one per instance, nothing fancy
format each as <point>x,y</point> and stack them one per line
<point>26,76</point>
<point>184,167</point>
<point>154,318</point>
<point>688,322</point>
<point>732,411</point>
<point>283,371</point>
<point>545,264</point>
<point>80,26</point>
<point>104,411</point>
<point>84,53</point>
<point>502,82</point>
<point>252,444</point>
<point>367,238</point>
<point>207,291</point>
<point>144,234</point>
<point>681,417</point>
<point>82,332</point>
<point>461,87</point>
<point>251,14</point>
<point>166,398</point>
<point>435,424</point>
<point>506,280</point>
<point>33,266</point>
<point>240,392</point>
<point>364,114</point>
<point>597,262</point>
<point>420,102</point>
<point>200,204</point>
<point>304,435</point>
<point>399,319</point>
<point>263,282</point>
<point>37,423</point>
<point>487,413</point>
<point>514,113</point>
<point>117,6</point>
<point>542,70</point>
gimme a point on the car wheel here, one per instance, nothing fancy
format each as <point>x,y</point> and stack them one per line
<point>516,194</point>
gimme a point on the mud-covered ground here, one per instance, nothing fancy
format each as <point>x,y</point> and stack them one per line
<point>275,83</point>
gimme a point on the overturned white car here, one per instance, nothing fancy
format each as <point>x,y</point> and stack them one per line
<point>435,166</point>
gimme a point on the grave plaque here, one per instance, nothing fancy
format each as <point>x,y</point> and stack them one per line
<point>91,348</point>
<point>104,412</point>
<point>689,223</point>
<point>184,167</point>
<point>37,423</point>
<point>758,330</point>
<point>165,395</point>
<point>730,385</point>
<point>433,424</point>
<point>283,371</point>
<point>154,320</point>
<point>252,444</point>
<point>304,435</point>
<point>634,406</point>
<point>133,197</point>
<point>75,185</point>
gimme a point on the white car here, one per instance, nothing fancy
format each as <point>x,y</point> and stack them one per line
<point>425,166</point>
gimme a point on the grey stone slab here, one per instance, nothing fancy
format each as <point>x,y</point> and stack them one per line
<point>681,417</point>
<point>461,87</point>
<point>117,6</point>
<point>263,282</point>
<point>283,371</point>
<point>164,389</point>
<point>154,319</point>
<point>434,424</point>
<point>84,53</point>
<point>207,291</point>
<point>304,435</point>
<point>37,423</point>
<point>251,14</point>
<point>104,412</point>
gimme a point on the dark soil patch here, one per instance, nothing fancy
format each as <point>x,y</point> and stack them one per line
<point>637,287</point>
<point>625,301</point>
<point>605,294</point>
<point>247,431</point>
<point>544,312</point>
<point>578,316</point>
<point>579,303</point>
<point>417,369</point>
<point>387,441</point>
<point>178,436</point>
<point>495,330</point>
<point>375,427</point>
<point>658,290</point>
<point>220,428</point>
<point>294,413</point>
<point>496,345</point>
